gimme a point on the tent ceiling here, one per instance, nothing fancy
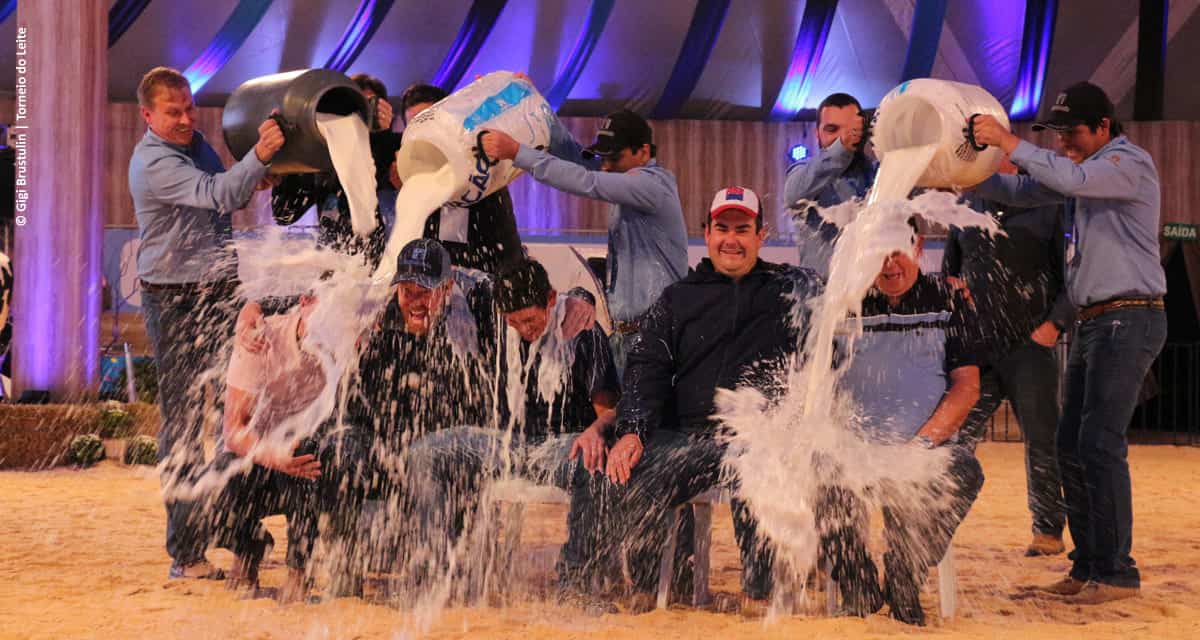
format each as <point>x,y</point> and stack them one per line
<point>637,50</point>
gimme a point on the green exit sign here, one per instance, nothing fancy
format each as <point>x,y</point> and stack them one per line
<point>1179,231</point>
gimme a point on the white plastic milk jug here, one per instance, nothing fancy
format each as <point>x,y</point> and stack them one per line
<point>927,111</point>
<point>448,132</point>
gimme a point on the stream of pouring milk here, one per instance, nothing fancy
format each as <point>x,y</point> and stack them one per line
<point>783,452</point>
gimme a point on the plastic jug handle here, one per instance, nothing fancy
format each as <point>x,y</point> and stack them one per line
<point>969,132</point>
<point>479,154</point>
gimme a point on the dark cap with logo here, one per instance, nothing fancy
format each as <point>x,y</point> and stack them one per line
<point>1080,103</point>
<point>425,262</point>
<point>621,130</point>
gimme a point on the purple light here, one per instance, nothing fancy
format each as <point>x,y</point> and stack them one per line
<point>1035,57</point>
<point>362,27</point>
<point>810,43</point>
<point>229,39</point>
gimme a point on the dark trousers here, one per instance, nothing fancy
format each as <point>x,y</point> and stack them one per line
<point>917,535</point>
<point>190,333</point>
<point>1028,377</point>
<point>248,497</point>
<point>674,468</point>
<point>1110,356</point>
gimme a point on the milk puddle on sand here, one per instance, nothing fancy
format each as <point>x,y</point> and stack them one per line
<point>783,453</point>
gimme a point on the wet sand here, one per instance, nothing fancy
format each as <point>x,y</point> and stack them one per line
<point>81,557</point>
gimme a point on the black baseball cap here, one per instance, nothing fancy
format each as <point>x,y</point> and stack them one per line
<point>1080,103</point>
<point>623,129</point>
<point>425,262</point>
<point>522,285</point>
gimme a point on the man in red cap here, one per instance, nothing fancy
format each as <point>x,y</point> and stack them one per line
<point>727,324</point>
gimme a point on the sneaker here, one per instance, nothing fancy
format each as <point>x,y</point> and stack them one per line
<point>591,605</point>
<point>1045,544</point>
<point>200,570</point>
<point>1068,586</point>
<point>1098,592</point>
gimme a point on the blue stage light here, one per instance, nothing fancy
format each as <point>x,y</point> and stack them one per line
<point>797,153</point>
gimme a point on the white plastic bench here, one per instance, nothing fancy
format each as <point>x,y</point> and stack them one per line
<point>518,493</point>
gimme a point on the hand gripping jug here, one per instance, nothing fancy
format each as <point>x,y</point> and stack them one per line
<point>448,133</point>
<point>927,111</point>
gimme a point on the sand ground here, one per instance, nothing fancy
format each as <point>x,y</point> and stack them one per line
<point>81,557</point>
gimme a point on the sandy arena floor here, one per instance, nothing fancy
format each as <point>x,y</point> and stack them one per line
<point>81,557</point>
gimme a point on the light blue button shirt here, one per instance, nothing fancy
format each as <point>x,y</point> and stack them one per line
<point>183,198</point>
<point>647,237</point>
<point>1113,212</point>
<point>828,179</point>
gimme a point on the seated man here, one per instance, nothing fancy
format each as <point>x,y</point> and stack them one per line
<point>560,395</point>
<point>263,390</point>
<point>421,369</point>
<point>914,376</point>
<point>728,323</point>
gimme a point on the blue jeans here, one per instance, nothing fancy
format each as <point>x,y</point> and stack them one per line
<point>189,332</point>
<point>1028,377</point>
<point>1110,356</point>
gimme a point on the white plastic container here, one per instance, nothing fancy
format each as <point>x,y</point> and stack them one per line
<point>927,111</point>
<point>448,132</point>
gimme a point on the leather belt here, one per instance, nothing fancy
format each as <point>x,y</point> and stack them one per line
<point>189,287</point>
<point>1101,308</point>
<point>626,328</point>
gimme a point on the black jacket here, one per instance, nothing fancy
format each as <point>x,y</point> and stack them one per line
<point>1016,280</point>
<point>707,332</point>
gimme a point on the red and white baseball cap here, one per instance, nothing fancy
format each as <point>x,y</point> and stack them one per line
<point>739,198</point>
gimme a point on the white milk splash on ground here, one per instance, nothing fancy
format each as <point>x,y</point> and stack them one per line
<point>349,146</point>
<point>784,453</point>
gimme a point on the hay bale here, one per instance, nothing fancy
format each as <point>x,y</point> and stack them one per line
<point>36,436</point>
<point>141,450</point>
<point>85,450</point>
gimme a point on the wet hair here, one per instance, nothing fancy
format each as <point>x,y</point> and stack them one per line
<point>420,93</point>
<point>522,285</point>
<point>160,79</point>
<point>370,83</point>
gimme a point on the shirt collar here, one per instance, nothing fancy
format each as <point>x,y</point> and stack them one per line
<point>185,148</point>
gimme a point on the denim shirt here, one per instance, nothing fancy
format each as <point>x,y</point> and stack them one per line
<point>183,198</point>
<point>647,237</point>
<point>827,179</point>
<point>1112,216</point>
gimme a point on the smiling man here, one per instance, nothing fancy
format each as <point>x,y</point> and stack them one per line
<point>729,323</point>
<point>184,199</point>
<point>1115,277</point>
